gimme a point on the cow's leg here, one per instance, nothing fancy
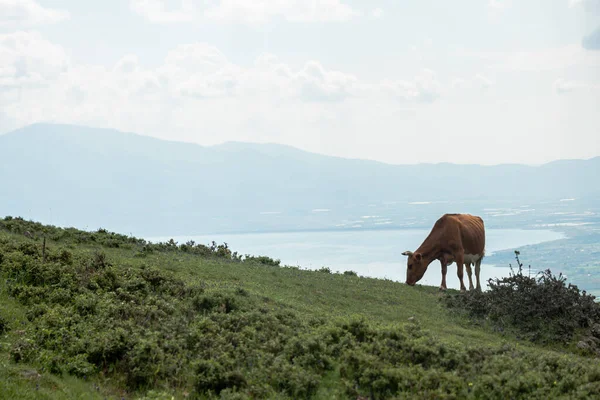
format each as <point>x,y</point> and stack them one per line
<point>477,271</point>
<point>469,274</point>
<point>459,259</point>
<point>444,270</point>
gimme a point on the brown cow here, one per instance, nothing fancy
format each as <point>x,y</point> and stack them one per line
<point>456,238</point>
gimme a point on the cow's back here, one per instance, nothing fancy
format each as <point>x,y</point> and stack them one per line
<point>472,232</point>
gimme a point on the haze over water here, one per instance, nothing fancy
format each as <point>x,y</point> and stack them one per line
<point>371,253</point>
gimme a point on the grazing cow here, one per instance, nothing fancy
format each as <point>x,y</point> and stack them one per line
<point>468,263</point>
<point>458,238</point>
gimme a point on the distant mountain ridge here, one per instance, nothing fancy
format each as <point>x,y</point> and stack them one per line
<point>87,176</point>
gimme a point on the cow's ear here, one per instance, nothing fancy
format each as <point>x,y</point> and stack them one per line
<point>418,256</point>
<point>407,253</point>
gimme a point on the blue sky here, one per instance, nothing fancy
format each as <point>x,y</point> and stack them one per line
<point>474,81</point>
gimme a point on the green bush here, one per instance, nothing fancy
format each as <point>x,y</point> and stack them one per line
<point>144,329</point>
<point>102,237</point>
<point>406,362</point>
<point>149,328</point>
<point>262,260</point>
<point>293,380</point>
<point>3,325</point>
<point>216,376</point>
<point>542,308</point>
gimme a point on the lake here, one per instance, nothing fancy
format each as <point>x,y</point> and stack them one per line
<point>372,253</point>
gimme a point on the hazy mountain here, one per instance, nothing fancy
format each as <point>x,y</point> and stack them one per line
<point>71,175</point>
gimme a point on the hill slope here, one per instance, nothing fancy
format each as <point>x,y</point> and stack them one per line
<point>99,314</point>
<point>83,176</point>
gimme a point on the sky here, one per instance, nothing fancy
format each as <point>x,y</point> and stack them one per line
<point>398,81</point>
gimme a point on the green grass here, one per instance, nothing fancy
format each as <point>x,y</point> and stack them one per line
<point>22,381</point>
<point>310,293</point>
<point>331,295</point>
<point>331,311</point>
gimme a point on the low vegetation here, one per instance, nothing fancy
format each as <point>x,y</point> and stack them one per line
<point>96,314</point>
<point>542,308</point>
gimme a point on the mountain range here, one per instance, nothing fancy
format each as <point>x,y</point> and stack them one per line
<point>89,177</point>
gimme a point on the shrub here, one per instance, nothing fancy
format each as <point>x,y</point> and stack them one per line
<point>99,261</point>
<point>23,350</point>
<point>407,362</point>
<point>262,260</point>
<point>63,256</point>
<point>3,325</point>
<point>219,302</point>
<point>542,308</point>
<point>217,375</point>
<point>142,328</point>
<point>79,366</point>
<point>293,380</point>
<point>148,328</point>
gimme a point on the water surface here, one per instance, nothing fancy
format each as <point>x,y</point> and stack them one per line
<point>374,253</point>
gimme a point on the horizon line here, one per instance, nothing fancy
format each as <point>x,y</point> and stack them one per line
<point>72,125</point>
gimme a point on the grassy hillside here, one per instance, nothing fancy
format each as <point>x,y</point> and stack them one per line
<point>102,315</point>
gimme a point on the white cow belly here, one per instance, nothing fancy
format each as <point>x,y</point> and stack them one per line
<point>468,259</point>
<point>472,258</point>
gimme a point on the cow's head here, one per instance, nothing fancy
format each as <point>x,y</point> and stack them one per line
<point>415,267</point>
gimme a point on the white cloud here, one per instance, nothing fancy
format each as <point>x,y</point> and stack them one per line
<point>200,71</point>
<point>563,86</point>
<point>424,88</point>
<point>20,13</point>
<point>472,88</point>
<point>198,94</point>
<point>128,64</point>
<point>458,83</point>
<point>377,13</point>
<point>497,4</point>
<point>483,81</point>
<point>159,11</point>
<point>27,59</point>
<point>338,105</point>
<point>496,9</point>
<point>317,84</point>
<point>244,11</point>
<point>591,6</point>
<point>292,10</point>
<point>197,57</point>
<point>536,60</point>
<point>196,83</point>
<point>423,45</point>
